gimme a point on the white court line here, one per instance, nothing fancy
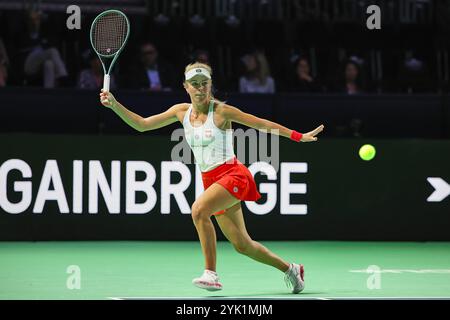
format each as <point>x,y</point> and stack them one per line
<point>218,298</point>
<point>279,298</point>
<point>401,271</point>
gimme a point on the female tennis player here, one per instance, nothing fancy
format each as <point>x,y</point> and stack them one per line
<point>227,182</point>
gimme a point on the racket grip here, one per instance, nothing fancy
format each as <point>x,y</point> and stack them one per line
<point>106,80</point>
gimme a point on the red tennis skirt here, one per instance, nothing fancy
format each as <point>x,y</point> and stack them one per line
<point>235,177</point>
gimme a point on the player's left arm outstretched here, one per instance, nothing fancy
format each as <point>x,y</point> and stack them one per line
<point>234,114</point>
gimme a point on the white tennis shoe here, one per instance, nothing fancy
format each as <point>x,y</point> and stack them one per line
<point>294,277</point>
<point>209,280</point>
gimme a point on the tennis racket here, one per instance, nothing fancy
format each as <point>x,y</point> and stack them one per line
<point>109,34</point>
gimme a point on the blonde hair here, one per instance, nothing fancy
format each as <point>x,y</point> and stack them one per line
<point>264,70</point>
<point>207,67</point>
<point>198,65</point>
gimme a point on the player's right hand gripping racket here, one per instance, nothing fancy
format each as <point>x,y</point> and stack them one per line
<point>109,34</point>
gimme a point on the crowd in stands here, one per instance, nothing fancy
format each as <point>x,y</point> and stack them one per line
<point>36,59</point>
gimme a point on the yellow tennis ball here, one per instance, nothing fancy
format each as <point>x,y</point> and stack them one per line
<point>367,152</point>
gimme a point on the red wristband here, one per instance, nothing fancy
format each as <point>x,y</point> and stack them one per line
<point>296,136</point>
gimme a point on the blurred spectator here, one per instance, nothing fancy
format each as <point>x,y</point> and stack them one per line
<point>152,73</point>
<point>92,77</point>
<point>302,80</point>
<point>414,74</point>
<point>256,78</point>
<point>42,59</point>
<point>351,79</point>
<point>201,56</point>
<point>4,63</point>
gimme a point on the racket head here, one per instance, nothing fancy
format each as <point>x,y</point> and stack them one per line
<point>109,33</point>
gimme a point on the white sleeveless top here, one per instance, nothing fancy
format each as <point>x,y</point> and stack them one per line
<point>211,146</point>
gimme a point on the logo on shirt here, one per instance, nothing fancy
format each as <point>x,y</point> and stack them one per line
<point>199,136</point>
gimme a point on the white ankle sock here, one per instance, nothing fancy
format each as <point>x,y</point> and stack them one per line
<point>210,271</point>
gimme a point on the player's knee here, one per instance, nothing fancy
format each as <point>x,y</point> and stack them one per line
<point>198,211</point>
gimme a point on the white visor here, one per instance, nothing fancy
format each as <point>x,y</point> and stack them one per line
<point>194,72</point>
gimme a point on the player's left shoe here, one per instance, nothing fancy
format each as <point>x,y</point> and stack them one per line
<point>294,277</point>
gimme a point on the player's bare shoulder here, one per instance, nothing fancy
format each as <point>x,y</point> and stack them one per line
<point>223,109</point>
<point>220,115</point>
<point>180,110</point>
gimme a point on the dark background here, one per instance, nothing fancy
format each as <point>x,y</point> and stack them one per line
<point>403,112</point>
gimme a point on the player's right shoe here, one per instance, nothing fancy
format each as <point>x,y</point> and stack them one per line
<point>209,280</point>
<point>294,277</point>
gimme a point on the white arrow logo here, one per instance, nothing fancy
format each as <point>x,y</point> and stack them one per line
<point>442,189</point>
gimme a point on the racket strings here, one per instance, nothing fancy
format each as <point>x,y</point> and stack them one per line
<point>110,32</point>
